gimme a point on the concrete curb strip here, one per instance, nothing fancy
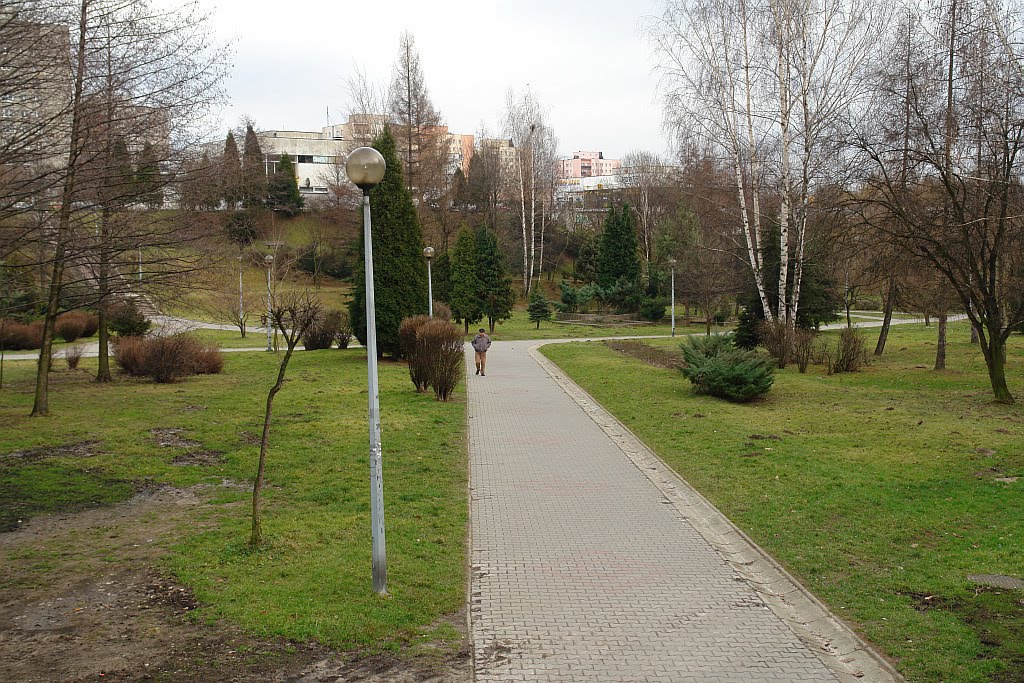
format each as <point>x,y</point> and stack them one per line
<point>838,647</point>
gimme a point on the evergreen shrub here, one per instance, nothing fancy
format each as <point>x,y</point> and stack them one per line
<point>539,308</point>
<point>653,309</point>
<point>126,320</point>
<point>716,367</point>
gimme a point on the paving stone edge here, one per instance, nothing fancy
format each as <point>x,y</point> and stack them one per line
<point>841,650</point>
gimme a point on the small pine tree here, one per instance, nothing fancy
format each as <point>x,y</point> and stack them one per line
<point>465,285</point>
<point>494,285</point>
<point>283,192</point>
<point>400,272</point>
<point>539,308</point>
<point>442,276</point>
<point>230,172</point>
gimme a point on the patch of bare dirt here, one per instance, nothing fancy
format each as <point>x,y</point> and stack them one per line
<point>82,449</point>
<point>82,598</point>
<point>659,358</point>
<point>171,437</point>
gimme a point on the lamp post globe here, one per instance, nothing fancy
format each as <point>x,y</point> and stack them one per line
<point>428,253</point>
<point>269,261</point>
<point>672,265</point>
<point>365,168</point>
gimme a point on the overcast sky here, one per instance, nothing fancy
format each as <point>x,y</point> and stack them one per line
<point>587,61</point>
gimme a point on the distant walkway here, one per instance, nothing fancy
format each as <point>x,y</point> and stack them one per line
<point>591,561</point>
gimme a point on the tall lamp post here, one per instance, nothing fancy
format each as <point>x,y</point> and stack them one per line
<point>428,253</point>
<point>672,265</point>
<point>241,298</point>
<point>365,168</point>
<point>269,260</point>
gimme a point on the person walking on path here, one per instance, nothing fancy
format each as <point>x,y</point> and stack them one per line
<point>481,342</point>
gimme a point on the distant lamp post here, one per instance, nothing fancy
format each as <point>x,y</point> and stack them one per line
<point>428,253</point>
<point>241,299</point>
<point>672,265</point>
<point>269,260</point>
<point>365,168</point>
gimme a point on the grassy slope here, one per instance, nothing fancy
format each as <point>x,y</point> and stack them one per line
<point>314,581</point>
<point>880,492</point>
<point>520,327</point>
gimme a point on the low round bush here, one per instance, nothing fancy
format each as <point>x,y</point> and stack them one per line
<point>70,326</point>
<point>653,309</point>
<point>715,367</point>
<point>15,336</point>
<point>126,320</point>
<point>322,333</point>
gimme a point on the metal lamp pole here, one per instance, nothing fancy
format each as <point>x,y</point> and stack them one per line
<point>428,253</point>
<point>241,299</point>
<point>672,264</point>
<point>365,168</point>
<point>269,260</point>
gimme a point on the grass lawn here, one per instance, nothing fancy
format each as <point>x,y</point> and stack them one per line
<point>881,490</point>
<point>313,582</point>
<point>520,327</point>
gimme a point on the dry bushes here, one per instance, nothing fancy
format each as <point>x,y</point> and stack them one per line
<point>74,325</point>
<point>408,341</point>
<point>803,347</point>
<point>73,356</point>
<point>774,337</point>
<point>442,312</point>
<point>17,336</point>
<point>166,359</point>
<point>344,335</point>
<point>322,333</point>
<point>850,354</point>
<point>439,351</point>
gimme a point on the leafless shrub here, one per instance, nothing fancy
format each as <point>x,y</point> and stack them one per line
<point>439,348</point>
<point>129,354</point>
<point>775,338</point>
<point>344,335</point>
<point>70,326</point>
<point>20,336</point>
<point>73,355</point>
<point>442,311</point>
<point>850,354</point>
<point>166,359</point>
<point>414,351</point>
<point>803,347</point>
<point>322,333</point>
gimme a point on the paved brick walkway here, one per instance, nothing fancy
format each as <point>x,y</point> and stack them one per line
<point>584,570</point>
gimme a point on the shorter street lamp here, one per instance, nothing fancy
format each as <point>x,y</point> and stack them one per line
<point>269,260</point>
<point>428,253</point>
<point>241,298</point>
<point>672,265</point>
<point>365,168</point>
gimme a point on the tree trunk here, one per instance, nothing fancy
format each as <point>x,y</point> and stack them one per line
<point>41,404</point>
<point>940,350</point>
<point>256,538</point>
<point>890,303</point>
<point>103,373</point>
<point>994,349</point>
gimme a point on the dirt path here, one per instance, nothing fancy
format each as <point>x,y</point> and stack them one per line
<point>82,598</point>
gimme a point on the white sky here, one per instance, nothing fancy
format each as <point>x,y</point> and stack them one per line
<point>587,61</point>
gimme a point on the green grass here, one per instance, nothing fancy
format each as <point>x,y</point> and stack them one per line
<point>880,493</point>
<point>520,327</point>
<point>313,581</point>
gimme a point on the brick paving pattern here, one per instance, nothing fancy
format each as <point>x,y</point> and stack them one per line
<point>582,569</point>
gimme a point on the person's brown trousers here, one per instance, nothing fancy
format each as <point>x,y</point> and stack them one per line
<point>481,361</point>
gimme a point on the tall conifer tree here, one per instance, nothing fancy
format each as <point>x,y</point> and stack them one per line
<point>283,191</point>
<point>465,281</point>
<point>495,286</point>
<point>254,171</point>
<point>400,272</point>
<point>617,255</point>
<point>231,172</point>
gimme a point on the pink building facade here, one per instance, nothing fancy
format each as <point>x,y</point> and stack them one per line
<point>587,165</point>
